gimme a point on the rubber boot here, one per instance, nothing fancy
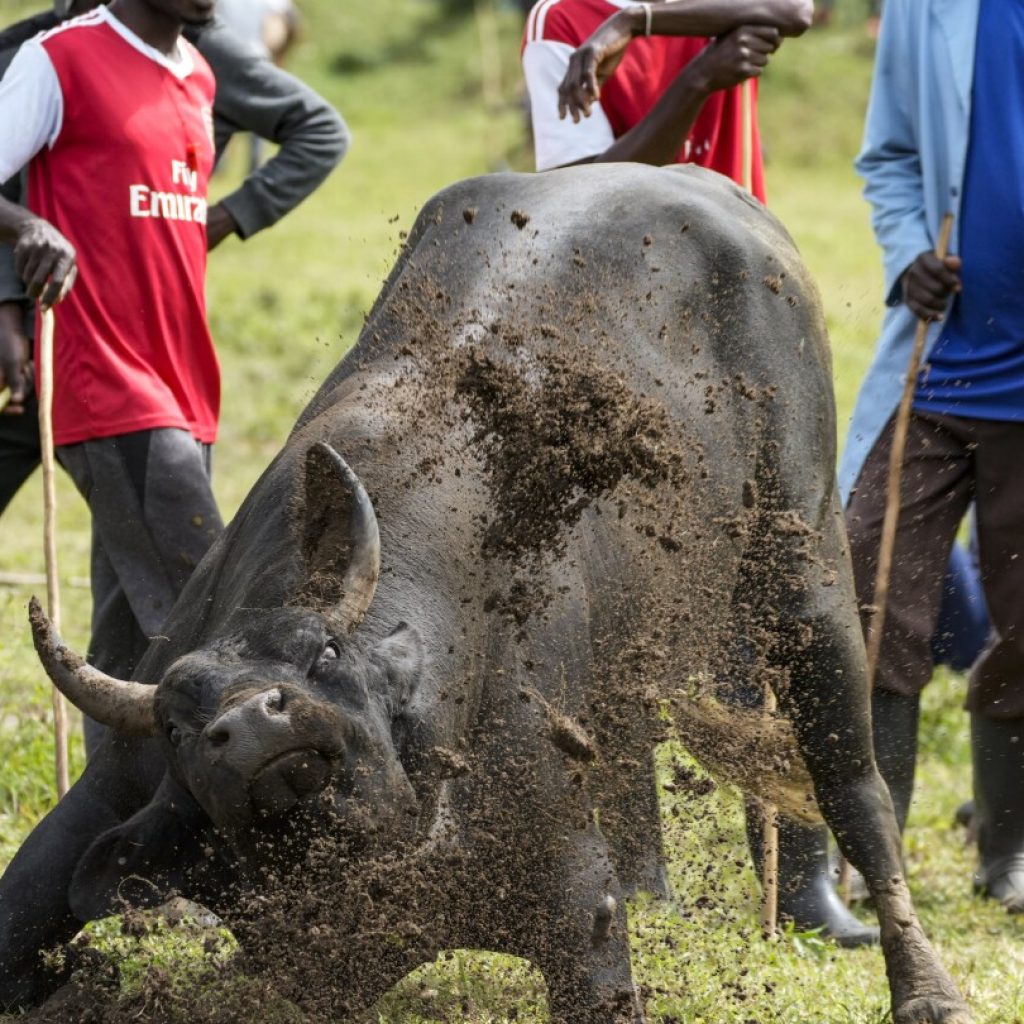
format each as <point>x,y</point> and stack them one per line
<point>997,747</point>
<point>894,721</point>
<point>807,896</point>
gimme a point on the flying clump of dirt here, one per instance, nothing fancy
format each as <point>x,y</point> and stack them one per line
<point>555,437</point>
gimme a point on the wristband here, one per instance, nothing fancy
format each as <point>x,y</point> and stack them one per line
<point>648,16</point>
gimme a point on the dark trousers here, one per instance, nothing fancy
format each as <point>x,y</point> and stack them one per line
<point>153,518</point>
<point>19,450</point>
<point>949,462</point>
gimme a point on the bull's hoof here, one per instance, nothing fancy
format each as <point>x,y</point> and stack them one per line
<point>941,1009</point>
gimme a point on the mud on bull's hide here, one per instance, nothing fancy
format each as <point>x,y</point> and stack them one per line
<point>572,490</point>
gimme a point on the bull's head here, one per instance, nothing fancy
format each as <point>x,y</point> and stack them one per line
<point>277,718</point>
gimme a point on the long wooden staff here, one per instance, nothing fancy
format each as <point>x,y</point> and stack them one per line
<point>876,621</point>
<point>747,134</point>
<point>894,485</point>
<point>770,851</point>
<point>45,392</point>
<point>770,833</point>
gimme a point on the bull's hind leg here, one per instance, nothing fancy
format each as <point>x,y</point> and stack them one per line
<point>807,895</point>
<point>810,609</point>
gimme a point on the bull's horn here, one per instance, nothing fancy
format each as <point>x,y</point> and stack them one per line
<point>128,708</point>
<point>341,541</point>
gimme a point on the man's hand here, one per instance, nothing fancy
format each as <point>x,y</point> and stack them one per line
<point>733,58</point>
<point>592,65</point>
<point>928,284</point>
<point>44,260</point>
<point>15,355</point>
<point>219,224</point>
<point>730,59</point>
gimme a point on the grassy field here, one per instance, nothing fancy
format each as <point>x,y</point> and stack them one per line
<point>285,306</point>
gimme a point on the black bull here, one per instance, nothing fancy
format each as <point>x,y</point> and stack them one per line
<point>593,411</point>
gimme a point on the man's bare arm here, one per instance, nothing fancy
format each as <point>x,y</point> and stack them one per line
<point>598,57</point>
<point>713,17</point>
<point>657,139</point>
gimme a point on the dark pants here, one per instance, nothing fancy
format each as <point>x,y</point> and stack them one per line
<point>153,518</point>
<point>20,452</point>
<point>949,462</point>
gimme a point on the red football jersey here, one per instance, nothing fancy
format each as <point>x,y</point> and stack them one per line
<point>641,79</point>
<point>125,181</point>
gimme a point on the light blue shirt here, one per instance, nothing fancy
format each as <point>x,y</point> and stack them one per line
<point>912,162</point>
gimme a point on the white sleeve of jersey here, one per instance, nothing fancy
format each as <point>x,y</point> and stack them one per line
<point>557,142</point>
<point>31,108</point>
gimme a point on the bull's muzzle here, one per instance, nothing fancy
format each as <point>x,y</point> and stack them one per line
<point>258,741</point>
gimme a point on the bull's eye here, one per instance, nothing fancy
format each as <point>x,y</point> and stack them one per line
<point>331,651</point>
<point>174,735</point>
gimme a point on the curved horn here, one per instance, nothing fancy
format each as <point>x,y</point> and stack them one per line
<point>341,539</point>
<point>128,708</point>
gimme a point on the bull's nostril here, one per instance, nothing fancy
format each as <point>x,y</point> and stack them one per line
<point>275,701</point>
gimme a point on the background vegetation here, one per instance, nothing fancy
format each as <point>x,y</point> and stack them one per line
<point>410,78</point>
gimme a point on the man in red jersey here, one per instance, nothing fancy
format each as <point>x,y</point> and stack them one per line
<point>652,85</point>
<point>112,114</point>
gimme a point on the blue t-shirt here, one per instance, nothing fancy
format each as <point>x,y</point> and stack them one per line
<point>976,368</point>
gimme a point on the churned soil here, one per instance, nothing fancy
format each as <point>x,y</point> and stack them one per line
<point>556,441</point>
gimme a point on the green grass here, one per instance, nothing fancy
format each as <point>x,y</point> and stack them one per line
<point>286,305</point>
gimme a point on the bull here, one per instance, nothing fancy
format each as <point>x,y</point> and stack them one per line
<point>575,478</point>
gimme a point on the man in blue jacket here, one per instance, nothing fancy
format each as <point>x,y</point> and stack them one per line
<point>945,132</point>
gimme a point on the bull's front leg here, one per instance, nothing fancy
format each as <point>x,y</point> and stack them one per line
<point>828,702</point>
<point>35,913</point>
<point>580,936</point>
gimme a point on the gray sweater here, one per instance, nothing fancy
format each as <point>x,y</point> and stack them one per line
<point>253,95</point>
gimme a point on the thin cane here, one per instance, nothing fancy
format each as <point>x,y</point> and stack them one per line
<point>876,614</point>
<point>892,498</point>
<point>45,389</point>
<point>770,834</point>
<point>770,851</point>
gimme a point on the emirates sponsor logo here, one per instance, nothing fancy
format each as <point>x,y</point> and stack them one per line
<point>144,201</point>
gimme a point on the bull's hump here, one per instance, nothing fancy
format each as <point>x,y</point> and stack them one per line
<point>607,203</point>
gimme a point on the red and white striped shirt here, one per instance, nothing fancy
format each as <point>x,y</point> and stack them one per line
<point>557,27</point>
<point>122,155</point>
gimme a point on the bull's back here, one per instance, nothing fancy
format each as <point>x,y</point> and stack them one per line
<point>673,276</point>
<point>669,290</point>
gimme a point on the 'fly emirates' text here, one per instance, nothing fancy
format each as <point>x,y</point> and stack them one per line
<point>147,202</point>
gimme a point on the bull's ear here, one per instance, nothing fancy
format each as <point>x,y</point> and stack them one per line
<point>144,860</point>
<point>339,541</point>
<point>400,654</point>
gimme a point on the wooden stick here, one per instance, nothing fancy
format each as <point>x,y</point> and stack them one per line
<point>45,390</point>
<point>747,134</point>
<point>890,521</point>
<point>490,75</point>
<point>876,621</point>
<point>770,852</point>
<point>770,834</point>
